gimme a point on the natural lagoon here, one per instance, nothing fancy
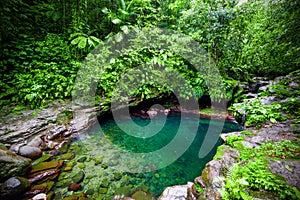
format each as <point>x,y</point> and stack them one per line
<point>120,158</point>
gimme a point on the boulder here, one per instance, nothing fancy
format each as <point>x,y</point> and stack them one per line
<point>30,152</point>
<point>35,142</point>
<point>14,187</point>
<point>41,196</point>
<point>178,192</point>
<point>12,164</point>
<point>152,113</point>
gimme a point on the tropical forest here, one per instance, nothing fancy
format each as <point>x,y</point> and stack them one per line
<point>150,99</point>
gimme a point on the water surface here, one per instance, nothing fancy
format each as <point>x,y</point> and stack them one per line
<point>113,154</point>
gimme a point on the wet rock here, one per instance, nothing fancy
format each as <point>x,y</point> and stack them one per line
<point>30,152</point>
<point>81,165</point>
<point>82,159</point>
<point>56,132</point>
<point>74,187</point>
<point>104,183</point>
<point>13,187</point>
<point>77,196</point>
<point>67,156</point>
<point>16,147</point>
<point>41,188</point>
<point>90,191</point>
<point>103,190</point>
<point>117,175</point>
<point>180,192</point>
<point>12,164</point>
<point>77,178</point>
<point>98,160</point>
<point>44,176</point>
<point>47,165</point>
<point>35,142</point>
<point>104,166</point>
<point>41,196</point>
<point>63,147</point>
<point>123,191</point>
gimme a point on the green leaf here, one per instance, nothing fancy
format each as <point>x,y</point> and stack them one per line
<point>82,43</point>
<point>116,21</point>
<point>272,120</point>
<point>76,40</point>
<point>95,39</point>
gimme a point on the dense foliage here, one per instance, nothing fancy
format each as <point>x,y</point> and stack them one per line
<point>251,173</point>
<point>43,43</point>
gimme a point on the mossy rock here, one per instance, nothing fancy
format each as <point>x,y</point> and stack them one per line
<point>77,178</point>
<point>98,160</point>
<point>117,175</point>
<point>141,195</point>
<point>77,196</point>
<point>103,190</point>
<point>12,165</point>
<point>82,159</point>
<point>67,156</point>
<point>105,183</point>
<point>220,152</point>
<point>81,165</point>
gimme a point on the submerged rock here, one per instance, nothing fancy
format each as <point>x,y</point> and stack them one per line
<point>77,196</point>
<point>74,187</point>
<point>14,187</point>
<point>12,164</point>
<point>41,188</point>
<point>77,178</point>
<point>46,165</point>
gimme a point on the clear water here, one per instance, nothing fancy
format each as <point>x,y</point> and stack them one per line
<point>117,150</point>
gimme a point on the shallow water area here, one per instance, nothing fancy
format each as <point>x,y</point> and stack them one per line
<point>140,154</point>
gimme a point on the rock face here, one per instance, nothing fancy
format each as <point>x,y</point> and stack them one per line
<point>178,192</point>
<point>13,187</point>
<point>49,123</point>
<point>215,169</point>
<point>289,170</point>
<point>11,164</point>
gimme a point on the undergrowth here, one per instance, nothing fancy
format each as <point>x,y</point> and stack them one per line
<point>252,172</point>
